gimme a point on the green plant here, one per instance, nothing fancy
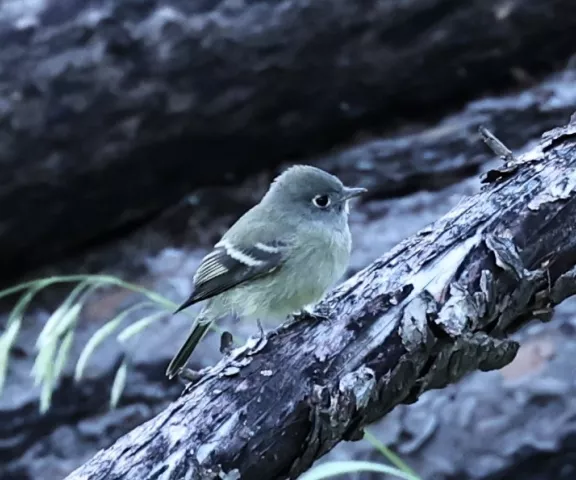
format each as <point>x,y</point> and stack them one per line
<point>335,468</point>
<point>389,454</point>
<point>55,340</point>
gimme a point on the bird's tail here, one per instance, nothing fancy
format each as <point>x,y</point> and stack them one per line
<point>181,358</point>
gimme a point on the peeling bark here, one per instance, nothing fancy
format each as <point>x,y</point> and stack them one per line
<point>438,306</point>
<point>108,107</point>
<point>512,423</point>
<point>27,452</point>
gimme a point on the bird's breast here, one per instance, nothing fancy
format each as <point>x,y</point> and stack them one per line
<point>311,268</point>
<point>322,261</point>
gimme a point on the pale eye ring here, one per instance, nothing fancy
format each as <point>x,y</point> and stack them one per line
<point>321,201</point>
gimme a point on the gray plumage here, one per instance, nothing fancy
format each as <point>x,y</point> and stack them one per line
<point>279,257</point>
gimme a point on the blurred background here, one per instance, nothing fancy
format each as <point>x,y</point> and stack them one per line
<point>134,132</point>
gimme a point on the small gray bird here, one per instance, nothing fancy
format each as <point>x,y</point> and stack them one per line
<point>281,256</point>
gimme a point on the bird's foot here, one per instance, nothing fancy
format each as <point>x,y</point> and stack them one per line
<point>226,343</point>
<point>261,331</point>
<point>290,320</point>
<point>318,314</point>
<point>190,378</point>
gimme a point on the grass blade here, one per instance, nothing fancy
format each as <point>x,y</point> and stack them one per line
<point>97,280</point>
<point>138,326</point>
<point>18,311</point>
<point>6,342</point>
<point>47,380</point>
<point>118,384</point>
<point>68,320</point>
<point>95,340</point>
<point>8,338</point>
<point>332,469</point>
<point>43,360</point>
<point>389,454</point>
<point>62,355</point>
<point>60,313</point>
<point>16,288</point>
<point>99,336</point>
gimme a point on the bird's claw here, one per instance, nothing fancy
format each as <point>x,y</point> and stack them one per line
<point>260,329</point>
<point>318,314</point>
<point>190,378</point>
<point>226,343</point>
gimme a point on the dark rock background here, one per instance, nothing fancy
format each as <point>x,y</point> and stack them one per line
<point>93,93</point>
<point>134,133</point>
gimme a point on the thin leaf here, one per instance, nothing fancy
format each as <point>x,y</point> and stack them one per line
<point>45,398</point>
<point>152,296</point>
<point>47,366</point>
<point>389,454</point>
<point>138,326</point>
<point>16,288</point>
<point>8,338</point>
<point>43,362</point>
<point>6,342</point>
<point>96,280</point>
<point>332,469</point>
<point>62,354</point>
<point>59,314</point>
<point>118,385</point>
<point>99,280</point>
<point>18,310</point>
<point>50,363</point>
<point>95,340</point>
<point>47,380</point>
<point>41,283</point>
<point>68,320</point>
<point>99,336</point>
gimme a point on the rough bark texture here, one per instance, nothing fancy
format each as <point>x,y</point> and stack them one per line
<point>36,447</point>
<point>435,308</point>
<point>514,423</point>
<point>108,107</point>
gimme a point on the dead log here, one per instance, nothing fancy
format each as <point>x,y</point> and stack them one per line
<point>113,110</point>
<point>505,424</point>
<point>435,308</point>
<point>441,150</point>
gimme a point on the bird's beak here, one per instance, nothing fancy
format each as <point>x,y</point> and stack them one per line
<point>350,192</point>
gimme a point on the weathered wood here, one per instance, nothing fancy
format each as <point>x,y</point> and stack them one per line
<point>435,308</point>
<point>113,110</point>
<point>395,162</point>
<point>506,424</point>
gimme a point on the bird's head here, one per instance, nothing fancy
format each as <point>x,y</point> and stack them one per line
<point>313,192</point>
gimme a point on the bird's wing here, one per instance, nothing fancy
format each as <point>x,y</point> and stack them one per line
<point>229,265</point>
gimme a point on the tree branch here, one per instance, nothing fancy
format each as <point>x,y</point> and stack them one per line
<point>435,308</point>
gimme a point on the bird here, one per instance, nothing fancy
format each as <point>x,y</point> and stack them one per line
<point>277,259</point>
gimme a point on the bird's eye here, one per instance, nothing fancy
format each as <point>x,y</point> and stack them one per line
<point>321,201</point>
